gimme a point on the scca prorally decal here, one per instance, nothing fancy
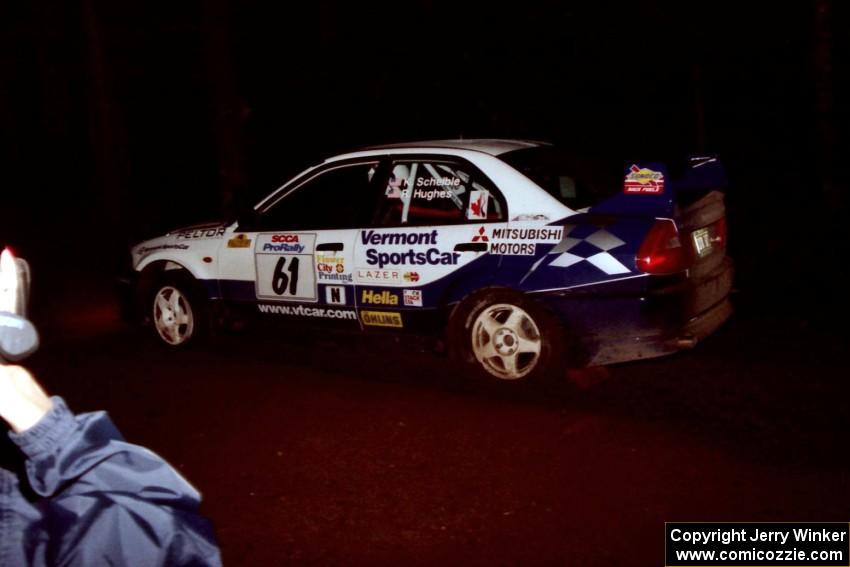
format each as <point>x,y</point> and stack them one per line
<point>410,257</point>
<point>284,243</point>
<point>215,232</point>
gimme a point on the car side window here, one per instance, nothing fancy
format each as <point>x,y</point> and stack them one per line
<point>436,192</point>
<point>337,197</point>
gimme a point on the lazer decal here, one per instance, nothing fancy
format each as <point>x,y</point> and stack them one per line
<point>381,319</point>
<point>214,232</point>
<point>411,276</point>
<point>413,297</point>
<point>477,209</point>
<point>368,275</point>
<point>384,297</point>
<point>239,241</point>
<point>643,181</point>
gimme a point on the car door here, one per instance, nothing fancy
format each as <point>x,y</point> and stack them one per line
<point>428,236</point>
<point>296,258</point>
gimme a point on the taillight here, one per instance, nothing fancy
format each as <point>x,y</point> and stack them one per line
<point>719,236</point>
<point>662,251</point>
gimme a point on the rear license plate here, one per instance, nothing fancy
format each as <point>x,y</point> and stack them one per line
<point>702,241</point>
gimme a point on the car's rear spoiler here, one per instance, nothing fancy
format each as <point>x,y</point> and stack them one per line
<point>649,188</point>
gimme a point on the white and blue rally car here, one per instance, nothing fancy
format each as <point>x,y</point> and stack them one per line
<point>524,257</point>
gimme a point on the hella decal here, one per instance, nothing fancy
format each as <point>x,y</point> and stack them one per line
<point>378,297</point>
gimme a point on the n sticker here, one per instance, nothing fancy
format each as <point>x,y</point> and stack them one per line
<point>335,295</point>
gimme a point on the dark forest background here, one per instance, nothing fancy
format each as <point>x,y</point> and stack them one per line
<point>119,120</point>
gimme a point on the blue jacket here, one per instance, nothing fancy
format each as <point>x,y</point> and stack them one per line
<point>93,499</point>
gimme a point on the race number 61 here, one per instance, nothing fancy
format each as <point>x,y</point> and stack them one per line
<point>284,264</point>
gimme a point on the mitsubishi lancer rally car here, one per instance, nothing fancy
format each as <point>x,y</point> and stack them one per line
<point>522,258</point>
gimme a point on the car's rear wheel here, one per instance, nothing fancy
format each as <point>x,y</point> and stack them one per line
<point>178,315</point>
<point>506,336</point>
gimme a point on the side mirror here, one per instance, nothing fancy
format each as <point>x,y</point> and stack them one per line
<point>247,217</point>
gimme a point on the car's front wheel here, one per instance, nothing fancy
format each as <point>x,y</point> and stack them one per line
<point>506,336</point>
<point>177,315</point>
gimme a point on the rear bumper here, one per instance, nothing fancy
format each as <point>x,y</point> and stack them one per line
<point>669,316</point>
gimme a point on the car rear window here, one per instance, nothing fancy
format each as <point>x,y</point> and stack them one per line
<point>574,180</point>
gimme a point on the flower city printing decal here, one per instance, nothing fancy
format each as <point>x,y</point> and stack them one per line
<point>331,268</point>
<point>381,319</point>
<point>197,233</point>
<point>284,263</point>
<point>643,181</point>
<point>517,241</point>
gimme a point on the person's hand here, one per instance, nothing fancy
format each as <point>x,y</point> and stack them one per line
<point>22,401</point>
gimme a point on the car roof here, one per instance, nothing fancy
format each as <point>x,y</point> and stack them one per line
<point>490,146</point>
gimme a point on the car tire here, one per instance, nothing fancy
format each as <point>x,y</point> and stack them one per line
<point>179,314</point>
<point>506,337</point>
